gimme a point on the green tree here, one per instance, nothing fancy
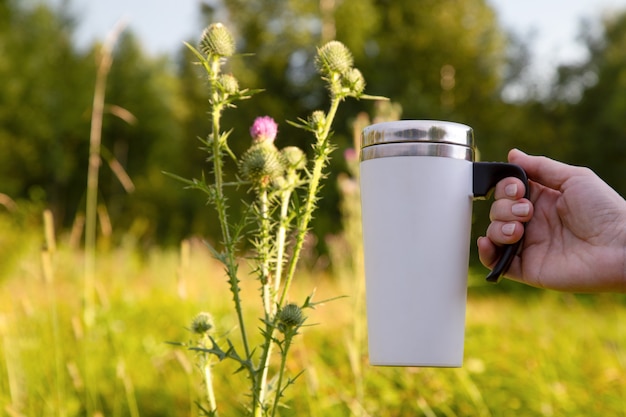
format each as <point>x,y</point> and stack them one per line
<point>43,104</point>
<point>439,59</point>
<point>45,107</point>
<point>597,90</point>
<point>141,131</point>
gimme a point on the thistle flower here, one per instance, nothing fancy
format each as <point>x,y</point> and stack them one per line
<point>202,323</point>
<point>290,316</point>
<point>216,40</point>
<point>261,164</point>
<point>293,157</point>
<point>264,129</point>
<point>334,58</point>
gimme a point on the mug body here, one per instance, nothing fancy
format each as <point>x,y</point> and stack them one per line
<point>416,232</point>
<point>416,196</point>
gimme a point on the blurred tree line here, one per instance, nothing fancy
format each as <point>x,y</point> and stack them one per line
<point>437,59</point>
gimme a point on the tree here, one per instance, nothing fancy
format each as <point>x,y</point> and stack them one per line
<point>597,127</point>
<point>46,92</point>
<point>142,132</point>
<point>45,107</point>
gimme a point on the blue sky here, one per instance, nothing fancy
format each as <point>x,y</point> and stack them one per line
<point>163,25</point>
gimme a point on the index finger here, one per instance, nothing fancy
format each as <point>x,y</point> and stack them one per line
<point>543,170</point>
<point>511,188</point>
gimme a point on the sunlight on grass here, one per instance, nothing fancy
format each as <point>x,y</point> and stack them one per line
<point>530,352</point>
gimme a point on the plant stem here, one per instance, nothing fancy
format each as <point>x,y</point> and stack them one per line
<point>221,207</point>
<point>93,168</point>
<point>280,241</point>
<point>261,385</point>
<point>319,163</point>
<point>281,236</point>
<point>281,371</point>
<point>264,253</point>
<point>95,138</point>
<point>208,380</point>
<point>261,388</point>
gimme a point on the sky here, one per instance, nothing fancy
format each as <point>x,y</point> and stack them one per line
<point>162,25</point>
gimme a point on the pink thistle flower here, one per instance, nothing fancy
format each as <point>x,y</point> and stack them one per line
<point>264,129</point>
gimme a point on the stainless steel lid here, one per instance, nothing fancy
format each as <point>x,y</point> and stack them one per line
<point>417,138</point>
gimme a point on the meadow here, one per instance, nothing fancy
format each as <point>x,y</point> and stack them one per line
<point>528,352</point>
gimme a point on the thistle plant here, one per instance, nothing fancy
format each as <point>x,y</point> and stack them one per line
<point>284,190</point>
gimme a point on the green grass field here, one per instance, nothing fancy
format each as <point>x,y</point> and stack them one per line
<point>528,353</point>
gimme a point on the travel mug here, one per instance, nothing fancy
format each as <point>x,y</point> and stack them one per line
<point>418,181</point>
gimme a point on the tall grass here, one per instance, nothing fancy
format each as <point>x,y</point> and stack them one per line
<point>534,353</point>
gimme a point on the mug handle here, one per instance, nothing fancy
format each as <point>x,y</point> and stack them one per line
<point>485,177</point>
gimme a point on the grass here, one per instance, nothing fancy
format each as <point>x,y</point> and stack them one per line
<point>528,353</point>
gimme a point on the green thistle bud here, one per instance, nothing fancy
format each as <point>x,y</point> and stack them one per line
<point>216,40</point>
<point>290,316</point>
<point>317,120</point>
<point>261,164</point>
<point>354,81</point>
<point>229,84</point>
<point>333,58</point>
<point>294,157</point>
<point>202,323</point>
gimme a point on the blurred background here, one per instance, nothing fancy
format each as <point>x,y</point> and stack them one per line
<point>549,79</point>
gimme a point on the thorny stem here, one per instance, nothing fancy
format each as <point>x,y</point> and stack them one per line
<point>319,163</point>
<point>311,198</point>
<point>265,363</point>
<point>220,203</point>
<point>316,176</point>
<point>280,253</point>
<point>260,387</point>
<point>281,371</point>
<point>280,241</point>
<point>264,253</point>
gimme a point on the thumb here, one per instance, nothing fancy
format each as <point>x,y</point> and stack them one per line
<point>541,169</point>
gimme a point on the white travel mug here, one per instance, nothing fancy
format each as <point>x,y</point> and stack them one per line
<point>418,181</point>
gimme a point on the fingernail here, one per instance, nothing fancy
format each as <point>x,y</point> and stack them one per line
<point>520,209</point>
<point>508,229</point>
<point>511,190</point>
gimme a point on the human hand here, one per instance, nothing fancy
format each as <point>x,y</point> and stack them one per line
<point>575,239</point>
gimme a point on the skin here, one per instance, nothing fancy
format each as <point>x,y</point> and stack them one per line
<point>575,239</point>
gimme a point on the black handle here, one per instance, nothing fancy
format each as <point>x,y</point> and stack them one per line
<point>486,176</point>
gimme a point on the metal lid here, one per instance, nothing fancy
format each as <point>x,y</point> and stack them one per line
<point>406,131</point>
